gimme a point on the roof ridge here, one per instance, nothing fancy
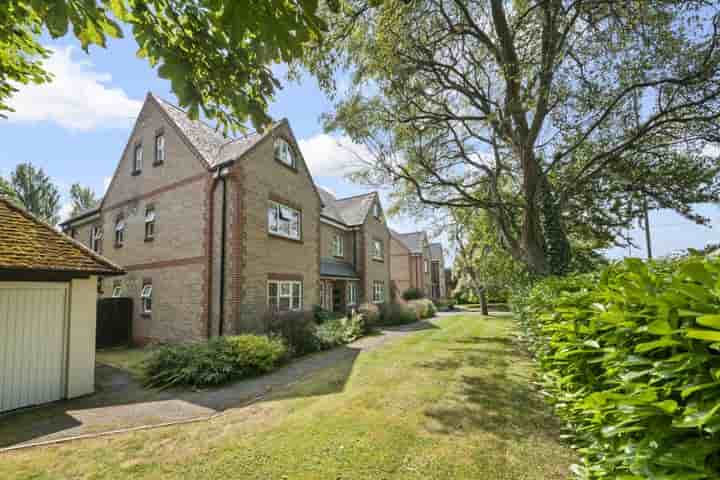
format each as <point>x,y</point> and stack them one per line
<point>374,192</point>
<point>95,256</point>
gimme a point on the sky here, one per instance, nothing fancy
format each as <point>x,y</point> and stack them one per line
<point>76,127</point>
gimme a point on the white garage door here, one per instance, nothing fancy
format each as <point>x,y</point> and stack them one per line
<point>33,335</point>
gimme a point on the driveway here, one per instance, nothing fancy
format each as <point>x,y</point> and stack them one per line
<point>120,402</point>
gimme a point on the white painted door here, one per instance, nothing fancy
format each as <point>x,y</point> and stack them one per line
<point>33,336</point>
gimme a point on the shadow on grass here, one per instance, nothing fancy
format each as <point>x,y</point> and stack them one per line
<point>491,393</point>
<point>410,327</point>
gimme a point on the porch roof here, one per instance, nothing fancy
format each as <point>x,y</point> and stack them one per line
<point>329,267</point>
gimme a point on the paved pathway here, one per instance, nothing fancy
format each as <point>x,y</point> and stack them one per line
<point>122,403</point>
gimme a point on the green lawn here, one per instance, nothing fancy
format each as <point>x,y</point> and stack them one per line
<point>123,358</point>
<point>451,402</point>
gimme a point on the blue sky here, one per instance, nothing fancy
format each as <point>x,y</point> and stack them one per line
<point>77,127</point>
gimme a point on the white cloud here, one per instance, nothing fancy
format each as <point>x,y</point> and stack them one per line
<point>329,156</point>
<point>65,211</point>
<point>77,98</point>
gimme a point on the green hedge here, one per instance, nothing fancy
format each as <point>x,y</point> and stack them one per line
<point>213,363</point>
<point>630,358</point>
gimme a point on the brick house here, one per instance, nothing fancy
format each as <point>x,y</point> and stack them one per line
<point>215,232</point>
<point>354,258</point>
<point>416,263</point>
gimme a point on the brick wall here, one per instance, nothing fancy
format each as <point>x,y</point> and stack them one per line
<point>373,270</point>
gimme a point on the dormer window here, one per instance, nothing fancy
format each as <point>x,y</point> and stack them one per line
<point>284,153</point>
<point>137,159</point>
<point>159,148</point>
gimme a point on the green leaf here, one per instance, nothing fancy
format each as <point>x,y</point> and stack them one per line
<point>663,343</point>
<point>712,321</point>
<point>660,327</point>
<point>707,335</point>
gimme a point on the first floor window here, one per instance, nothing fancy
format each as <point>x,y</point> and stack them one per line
<point>378,291</point>
<point>353,293</point>
<point>119,232</point>
<point>146,298</point>
<point>117,290</point>
<point>149,223</point>
<point>95,238</point>
<point>338,245</point>
<point>284,221</point>
<point>284,152</point>
<point>284,295</point>
<point>426,266</point>
<point>326,295</point>
<point>378,249</point>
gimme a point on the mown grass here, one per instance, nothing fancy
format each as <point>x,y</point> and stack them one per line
<point>128,359</point>
<point>452,402</point>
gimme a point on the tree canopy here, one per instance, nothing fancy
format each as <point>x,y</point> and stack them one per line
<point>83,198</point>
<point>35,191</point>
<point>556,118</point>
<point>216,53</point>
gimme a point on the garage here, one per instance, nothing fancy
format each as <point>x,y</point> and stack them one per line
<point>48,294</point>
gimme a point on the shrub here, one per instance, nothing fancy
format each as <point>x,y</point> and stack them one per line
<point>392,313</point>
<point>424,308</point>
<point>330,334</point>
<point>212,363</point>
<point>413,293</point>
<point>296,328</point>
<point>630,359</point>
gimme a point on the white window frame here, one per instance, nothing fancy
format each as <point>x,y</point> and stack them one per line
<point>160,147</point>
<point>138,158</point>
<point>150,221</point>
<point>353,293</point>
<point>376,210</point>
<point>117,291</point>
<point>292,307</point>
<point>95,238</point>
<point>146,298</point>
<point>284,152</point>
<point>378,249</point>
<point>338,245</point>
<point>426,266</point>
<point>280,215</point>
<point>378,291</point>
<point>120,228</point>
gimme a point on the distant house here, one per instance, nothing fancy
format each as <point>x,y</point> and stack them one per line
<point>48,291</point>
<point>416,263</point>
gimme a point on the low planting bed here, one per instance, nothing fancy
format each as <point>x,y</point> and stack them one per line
<point>630,359</point>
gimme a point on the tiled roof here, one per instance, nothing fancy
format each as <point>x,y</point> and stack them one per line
<point>413,241</point>
<point>351,211</point>
<point>27,243</point>
<point>436,251</point>
<point>329,267</point>
<point>206,140</point>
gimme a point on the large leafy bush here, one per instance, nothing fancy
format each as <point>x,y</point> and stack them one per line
<point>413,293</point>
<point>630,358</point>
<point>213,363</point>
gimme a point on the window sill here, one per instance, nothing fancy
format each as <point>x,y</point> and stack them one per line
<point>118,245</point>
<point>135,173</point>
<point>157,164</point>
<point>339,257</point>
<point>146,314</point>
<point>376,259</point>
<point>149,239</point>
<point>282,237</point>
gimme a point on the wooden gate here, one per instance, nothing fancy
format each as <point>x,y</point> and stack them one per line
<point>114,322</point>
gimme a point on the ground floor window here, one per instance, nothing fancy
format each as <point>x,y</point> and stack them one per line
<point>353,293</point>
<point>146,298</point>
<point>284,295</point>
<point>378,291</point>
